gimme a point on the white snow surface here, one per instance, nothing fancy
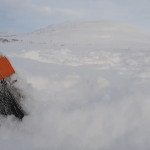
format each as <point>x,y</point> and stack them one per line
<point>86,86</point>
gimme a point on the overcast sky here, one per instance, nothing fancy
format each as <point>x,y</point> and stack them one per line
<point>29,15</point>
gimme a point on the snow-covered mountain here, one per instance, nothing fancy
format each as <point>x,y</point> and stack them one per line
<point>86,86</point>
<point>88,34</point>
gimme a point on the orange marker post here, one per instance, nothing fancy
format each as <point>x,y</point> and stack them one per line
<point>6,69</point>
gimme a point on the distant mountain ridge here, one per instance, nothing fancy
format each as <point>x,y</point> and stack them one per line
<point>102,34</point>
<point>88,34</point>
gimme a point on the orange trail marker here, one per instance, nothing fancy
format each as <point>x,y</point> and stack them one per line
<point>6,69</point>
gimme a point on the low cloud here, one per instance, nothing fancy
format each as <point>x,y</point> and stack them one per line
<point>58,11</point>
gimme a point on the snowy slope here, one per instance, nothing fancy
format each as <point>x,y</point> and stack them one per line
<point>86,87</point>
<point>96,34</point>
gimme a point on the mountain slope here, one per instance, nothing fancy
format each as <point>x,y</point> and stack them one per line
<point>98,34</point>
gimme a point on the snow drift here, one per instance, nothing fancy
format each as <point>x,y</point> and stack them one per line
<point>86,87</point>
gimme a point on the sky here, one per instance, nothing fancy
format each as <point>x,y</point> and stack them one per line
<point>29,15</point>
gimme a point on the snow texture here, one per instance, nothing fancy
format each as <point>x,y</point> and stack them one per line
<point>85,86</point>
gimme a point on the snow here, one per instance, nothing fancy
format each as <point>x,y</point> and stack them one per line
<point>85,86</point>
